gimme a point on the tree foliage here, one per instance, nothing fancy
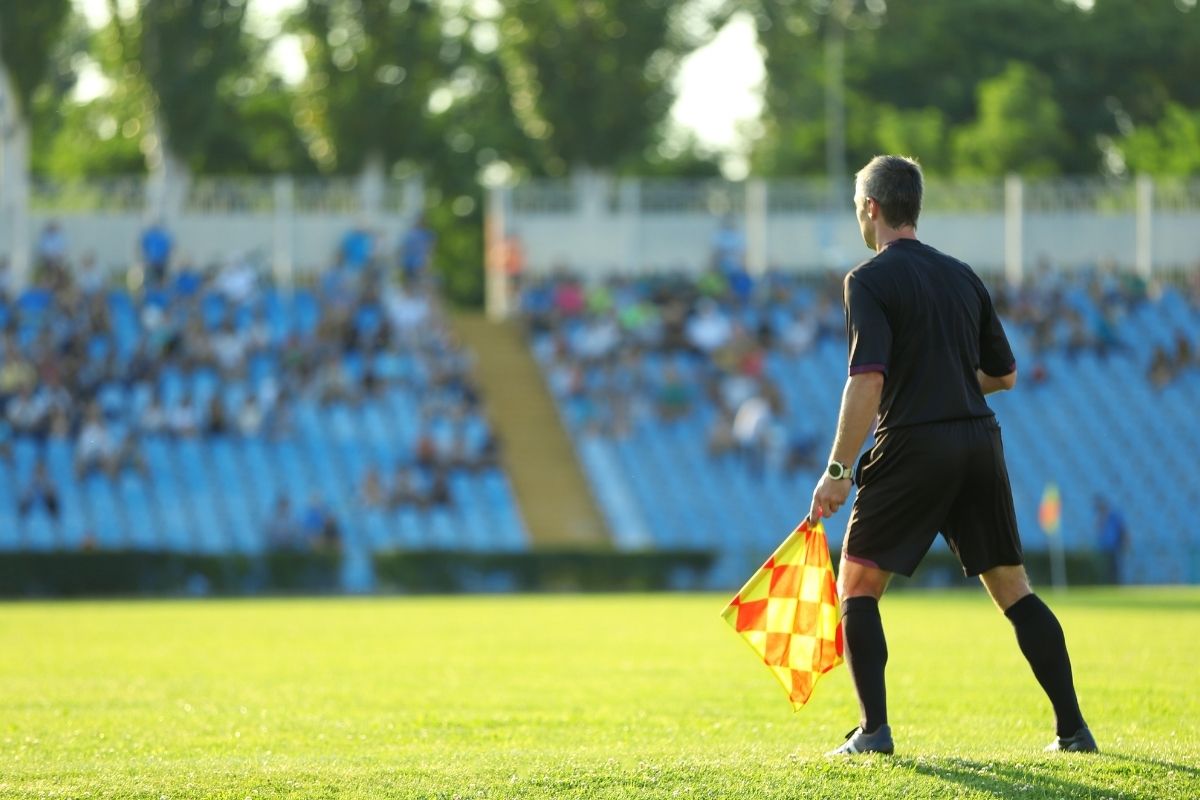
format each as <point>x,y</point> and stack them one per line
<point>372,67</point>
<point>590,80</point>
<point>183,52</point>
<point>1018,127</point>
<point>28,33</point>
<point>1169,148</point>
<point>1106,69</point>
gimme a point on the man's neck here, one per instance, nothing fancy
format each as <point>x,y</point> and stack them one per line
<point>885,236</point>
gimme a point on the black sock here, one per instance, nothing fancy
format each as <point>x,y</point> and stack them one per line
<point>866,656</point>
<point>1042,642</point>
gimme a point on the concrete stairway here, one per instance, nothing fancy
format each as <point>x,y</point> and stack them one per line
<point>555,500</point>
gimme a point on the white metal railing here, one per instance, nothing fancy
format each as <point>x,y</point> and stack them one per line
<point>221,194</point>
<point>1176,194</point>
<point>691,197</point>
<point>340,194</point>
<point>320,195</point>
<point>207,195</point>
<point>551,196</point>
<point>102,195</point>
<point>1096,195</point>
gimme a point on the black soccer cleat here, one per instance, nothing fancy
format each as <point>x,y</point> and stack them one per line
<point>859,742</point>
<point>1081,742</point>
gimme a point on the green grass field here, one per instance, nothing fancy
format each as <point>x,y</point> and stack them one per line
<point>572,696</point>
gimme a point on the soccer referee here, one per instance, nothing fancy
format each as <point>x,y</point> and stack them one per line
<point>925,347</point>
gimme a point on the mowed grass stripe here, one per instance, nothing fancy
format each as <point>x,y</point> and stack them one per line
<point>580,696</point>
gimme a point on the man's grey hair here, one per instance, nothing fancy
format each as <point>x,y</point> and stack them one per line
<point>896,183</point>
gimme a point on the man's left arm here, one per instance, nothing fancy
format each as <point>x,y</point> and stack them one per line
<point>860,406</point>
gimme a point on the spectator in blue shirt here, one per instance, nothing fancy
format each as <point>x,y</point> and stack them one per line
<point>729,247</point>
<point>415,249</point>
<point>357,248</point>
<point>156,244</point>
<point>1110,538</point>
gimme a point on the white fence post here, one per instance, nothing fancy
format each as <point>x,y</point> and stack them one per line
<point>495,252</point>
<point>1014,237</point>
<point>629,206</point>
<point>166,190</point>
<point>756,226</point>
<point>14,184</point>
<point>370,190</point>
<point>283,221</point>
<point>1143,261</point>
<point>590,187</point>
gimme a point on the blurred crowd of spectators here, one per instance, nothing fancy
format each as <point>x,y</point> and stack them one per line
<point>623,351</point>
<point>1084,312</point>
<point>661,348</point>
<point>218,352</point>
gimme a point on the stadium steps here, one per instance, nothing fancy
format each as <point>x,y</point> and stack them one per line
<point>551,490</point>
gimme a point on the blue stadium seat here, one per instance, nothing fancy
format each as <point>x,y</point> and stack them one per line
<point>106,519</point>
<point>144,531</point>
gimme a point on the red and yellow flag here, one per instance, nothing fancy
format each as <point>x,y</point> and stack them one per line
<point>788,612</point>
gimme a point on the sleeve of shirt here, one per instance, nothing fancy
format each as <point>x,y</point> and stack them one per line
<point>995,353</point>
<point>868,333</point>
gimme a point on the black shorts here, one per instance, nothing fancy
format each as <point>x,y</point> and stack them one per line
<point>917,481</point>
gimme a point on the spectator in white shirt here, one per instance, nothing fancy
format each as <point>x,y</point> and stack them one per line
<point>250,417</point>
<point>153,419</point>
<point>96,447</point>
<point>182,419</point>
<point>229,348</point>
<point>28,413</point>
<point>709,329</point>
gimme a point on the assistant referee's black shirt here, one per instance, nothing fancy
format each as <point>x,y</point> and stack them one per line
<point>926,321</point>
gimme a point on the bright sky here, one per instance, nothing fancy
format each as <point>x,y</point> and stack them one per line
<point>719,84</point>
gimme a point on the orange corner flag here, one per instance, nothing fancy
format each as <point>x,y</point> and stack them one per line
<point>788,612</point>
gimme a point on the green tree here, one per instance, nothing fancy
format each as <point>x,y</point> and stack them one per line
<point>1116,64</point>
<point>919,131</point>
<point>1018,128</point>
<point>799,40</point>
<point>591,81</point>
<point>27,35</point>
<point>1129,62</point>
<point>176,54</point>
<point>248,128</point>
<point>373,65</point>
<point>1169,148</point>
<point>28,32</point>
<point>254,127</point>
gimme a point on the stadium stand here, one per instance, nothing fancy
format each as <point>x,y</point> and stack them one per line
<point>702,409</point>
<point>213,414</point>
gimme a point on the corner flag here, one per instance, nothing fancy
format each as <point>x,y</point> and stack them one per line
<point>788,612</point>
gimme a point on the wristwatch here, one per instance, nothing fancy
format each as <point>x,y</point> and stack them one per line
<point>838,471</point>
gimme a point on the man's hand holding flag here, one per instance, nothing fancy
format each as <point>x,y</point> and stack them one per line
<point>788,612</point>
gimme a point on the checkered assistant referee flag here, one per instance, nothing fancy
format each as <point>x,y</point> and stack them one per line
<point>788,612</point>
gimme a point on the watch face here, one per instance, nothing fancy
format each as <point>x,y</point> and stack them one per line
<point>836,471</point>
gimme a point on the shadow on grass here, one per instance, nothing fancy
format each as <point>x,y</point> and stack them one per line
<point>1038,779</point>
<point>1172,766</point>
